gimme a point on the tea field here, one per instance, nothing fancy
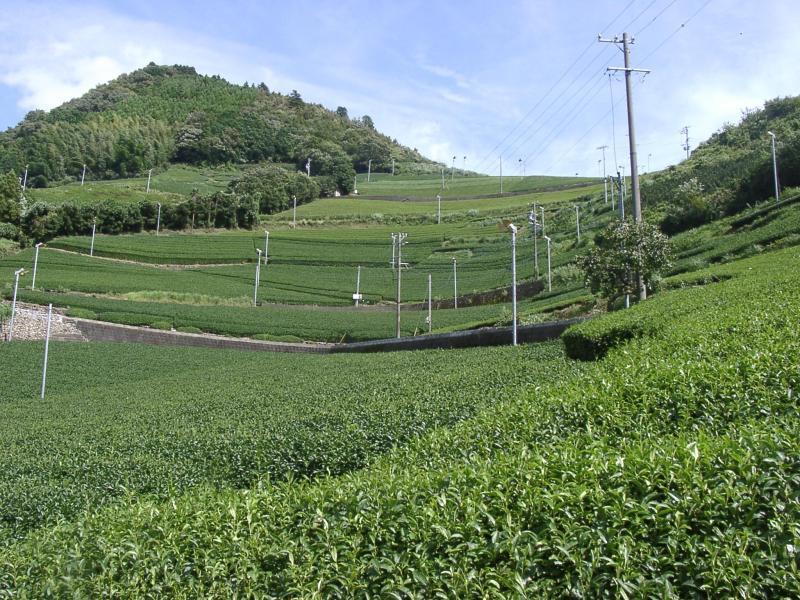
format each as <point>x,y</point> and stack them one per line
<point>668,467</point>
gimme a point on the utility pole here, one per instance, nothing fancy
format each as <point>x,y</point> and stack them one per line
<point>149,175</point>
<point>439,209</point>
<point>83,175</point>
<point>357,295</point>
<point>775,168</point>
<point>621,193</point>
<point>266,246</point>
<point>400,240</point>
<point>430,305</point>
<point>453,169</point>
<point>369,169</point>
<point>532,221</point>
<point>685,131</point>
<point>455,284</point>
<point>605,181</point>
<point>513,229</point>
<point>542,209</point>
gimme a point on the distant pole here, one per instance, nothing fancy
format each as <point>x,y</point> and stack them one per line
<point>613,200</point>
<point>400,239</point>
<point>308,167</point>
<point>439,209</point>
<point>455,284</point>
<point>358,285</point>
<point>266,247</point>
<point>578,222</point>
<point>35,264</point>
<point>501,174</point>
<point>394,250</point>
<point>775,168</point>
<point>294,211</point>
<point>355,184</point>
<point>442,177</point>
<point>94,228</point>
<point>519,164</point>
<point>430,305</point>
<point>464,168</point>
<point>258,278</point>
<point>392,167</point>
<point>149,175</point>
<point>686,147</point>
<point>83,175</point>
<point>532,221</point>
<point>17,273</point>
<point>541,208</point>
<point>549,273</point>
<point>25,179</point>
<point>158,218</point>
<point>605,180</point>
<point>46,348</point>
<point>513,281</point>
<point>453,169</point>
<point>369,169</point>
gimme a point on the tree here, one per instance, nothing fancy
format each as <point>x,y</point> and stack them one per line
<point>295,99</point>
<point>367,121</point>
<point>622,250</point>
<point>10,197</point>
<point>341,112</point>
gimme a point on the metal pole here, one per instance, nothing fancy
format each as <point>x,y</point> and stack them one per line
<point>439,209</point>
<point>83,175</point>
<point>535,243</point>
<point>542,209</point>
<point>394,250</point>
<point>637,199</point>
<point>549,277</point>
<point>355,184</point>
<point>17,273</point>
<point>605,179</point>
<point>392,167</point>
<point>158,218</point>
<point>400,238</point>
<point>46,348</point>
<point>621,197</point>
<point>25,179</point>
<point>35,264</point>
<point>266,246</point>
<point>369,169</point>
<point>358,284</point>
<point>430,305</point>
<point>258,278</point>
<point>94,227</point>
<point>149,174</point>
<point>294,211</point>
<point>513,281</point>
<point>613,200</point>
<point>775,168</point>
<point>578,222</point>
<point>455,284</point>
<point>453,169</point>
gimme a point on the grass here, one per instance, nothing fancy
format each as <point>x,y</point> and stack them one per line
<point>667,469</point>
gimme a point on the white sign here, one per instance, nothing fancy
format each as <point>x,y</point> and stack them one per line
<point>357,297</point>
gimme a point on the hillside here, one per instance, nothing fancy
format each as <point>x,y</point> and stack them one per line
<point>730,170</point>
<point>160,115</point>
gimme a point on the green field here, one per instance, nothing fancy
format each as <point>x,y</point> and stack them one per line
<point>428,186</point>
<point>668,468</point>
<point>165,186</point>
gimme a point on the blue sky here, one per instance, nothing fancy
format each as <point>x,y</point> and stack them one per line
<point>522,79</point>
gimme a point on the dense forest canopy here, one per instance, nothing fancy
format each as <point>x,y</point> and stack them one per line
<point>164,114</point>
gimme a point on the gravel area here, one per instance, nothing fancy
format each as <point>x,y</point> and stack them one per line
<point>30,323</point>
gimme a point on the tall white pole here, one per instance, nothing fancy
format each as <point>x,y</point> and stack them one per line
<point>464,168</point>
<point>442,177</point>
<point>775,168</point>
<point>578,222</point>
<point>17,273</point>
<point>358,285</point>
<point>605,180</point>
<point>400,238</point>
<point>294,211</point>
<point>453,169</point>
<point>355,184</point>
<point>149,174</point>
<point>308,167</point>
<point>35,264</point>
<point>258,278</point>
<point>549,278</point>
<point>455,284</point>
<point>541,208</point>
<point>532,221</point>
<point>83,175</point>
<point>25,179</point>
<point>392,167</point>
<point>266,246</point>
<point>513,281</point>
<point>613,204</point>
<point>158,218</point>
<point>430,305</point>
<point>94,228</point>
<point>439,209</point>
<point>369,169</point>
<point>46,348</point>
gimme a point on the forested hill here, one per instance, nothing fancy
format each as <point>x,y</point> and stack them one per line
<point>730,170</point>
<point>165,114</point>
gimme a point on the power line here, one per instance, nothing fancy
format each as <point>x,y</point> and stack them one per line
<point>653,20</point>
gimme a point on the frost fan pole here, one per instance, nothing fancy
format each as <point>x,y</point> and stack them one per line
<point>46,348</point>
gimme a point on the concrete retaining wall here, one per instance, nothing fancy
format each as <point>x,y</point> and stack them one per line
<point>98,331</point>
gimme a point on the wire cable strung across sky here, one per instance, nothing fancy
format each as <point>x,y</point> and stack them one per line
<point>566,113</point>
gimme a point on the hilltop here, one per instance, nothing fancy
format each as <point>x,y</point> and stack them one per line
<point>162,115</point>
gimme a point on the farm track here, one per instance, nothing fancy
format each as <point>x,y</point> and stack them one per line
<point>542,190</point>
<point>165,266</point>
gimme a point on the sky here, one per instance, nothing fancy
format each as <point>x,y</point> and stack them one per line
<point>525,81</point>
